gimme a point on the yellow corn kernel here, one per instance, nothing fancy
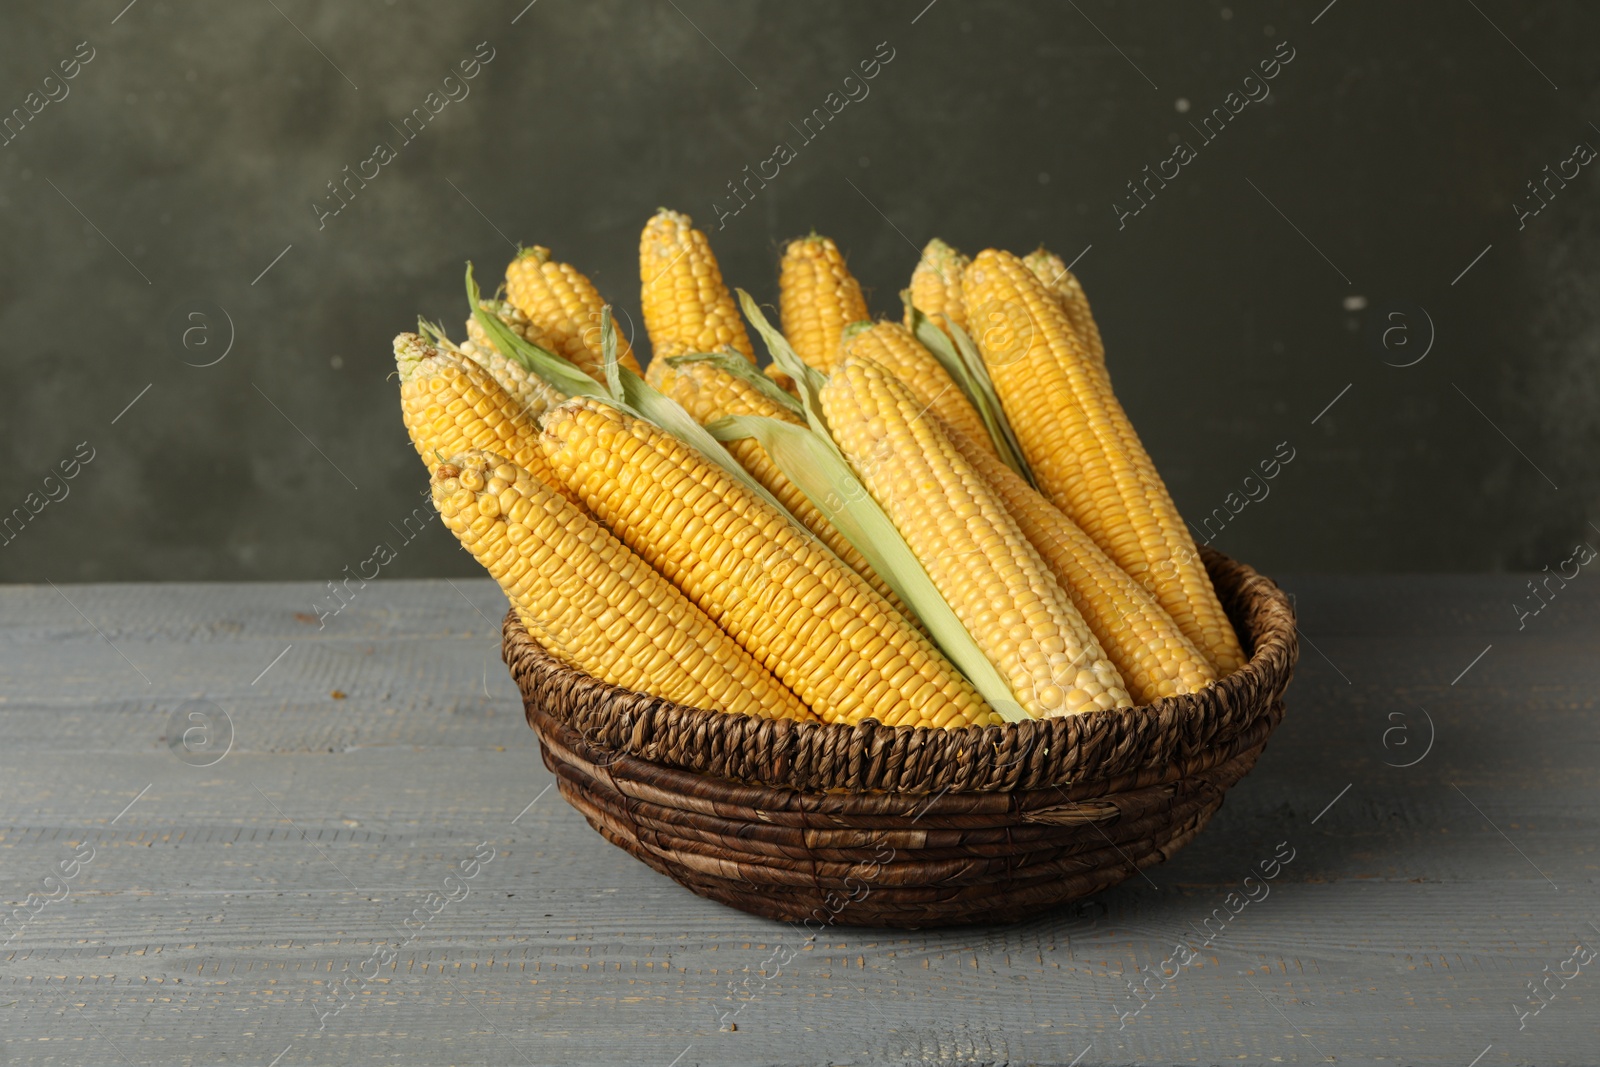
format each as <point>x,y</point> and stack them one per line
<point>971,547</point>
<point>1068,291</point>
<point>450,404</point>
<point>1085,455</point>
<point>1065,286</point>
<point>936,286</point>
<point>565,306</point>
<point>592,602</point>
<point>686,306</point>
<point>1153,656</point>
<point>817,298</point>
<point>786,383</point>
<point>892,347</point>
<point>791,603</point>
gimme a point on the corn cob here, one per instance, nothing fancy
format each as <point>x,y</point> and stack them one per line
<point>1068,291</point>
<point>687,308</point>
<point>590,601</point>
<point>892,347</point>
<point>803,614</point>
<point>529,390</point>
<point>450,405</point>
<point>1084,454</point>
<point>1052,270</point>
<point>564,304</point>
<point>708,393</point>
<point>1139,637</point>
<point>817,298</point>
<point>972,549</point>
<point>936,286</point>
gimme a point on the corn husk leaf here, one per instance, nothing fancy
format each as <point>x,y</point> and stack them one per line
<point>1006,442</point>
<point>608,351</point>
<point>814,463</point>
<point>559,372</point>
<point>960,358</point>
<point>741,368</point>
<point>806,377</point>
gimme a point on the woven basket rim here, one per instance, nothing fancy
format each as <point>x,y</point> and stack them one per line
<point>870,757</point>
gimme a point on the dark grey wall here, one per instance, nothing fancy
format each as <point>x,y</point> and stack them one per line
<point>1389,154</point>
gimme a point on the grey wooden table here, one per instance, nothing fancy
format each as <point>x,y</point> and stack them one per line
<point>232,834</point>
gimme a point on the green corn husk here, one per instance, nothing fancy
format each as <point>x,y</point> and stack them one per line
<point>961,360</point>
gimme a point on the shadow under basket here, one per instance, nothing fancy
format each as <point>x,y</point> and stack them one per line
<point>873,825</point>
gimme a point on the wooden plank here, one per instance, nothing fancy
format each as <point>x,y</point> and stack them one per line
<point>220,910</point>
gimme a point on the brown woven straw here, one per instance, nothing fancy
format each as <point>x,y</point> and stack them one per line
<point>895,826</point>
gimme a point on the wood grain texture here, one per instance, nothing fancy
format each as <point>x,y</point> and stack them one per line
<point>220,910</point>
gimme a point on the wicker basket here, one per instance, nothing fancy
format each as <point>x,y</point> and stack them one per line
<point>892,826</point>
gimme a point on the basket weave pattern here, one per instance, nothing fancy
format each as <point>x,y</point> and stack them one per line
<point>893,826</point>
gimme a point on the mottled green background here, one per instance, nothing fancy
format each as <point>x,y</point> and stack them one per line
<point>1236,306</point>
